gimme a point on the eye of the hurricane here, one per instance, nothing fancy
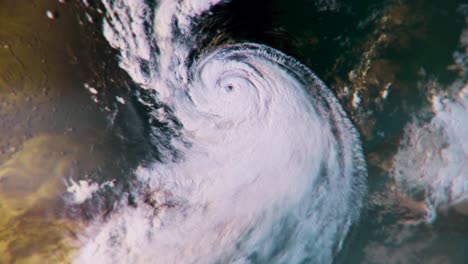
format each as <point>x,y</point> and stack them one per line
<point>234,83</point>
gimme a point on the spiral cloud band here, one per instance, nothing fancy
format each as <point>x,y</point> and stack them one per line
<point>271,169</point>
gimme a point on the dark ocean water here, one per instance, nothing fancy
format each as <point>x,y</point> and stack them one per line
<point>62,120</point>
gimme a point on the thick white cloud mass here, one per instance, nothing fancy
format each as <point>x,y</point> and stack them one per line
<point>433,157</point>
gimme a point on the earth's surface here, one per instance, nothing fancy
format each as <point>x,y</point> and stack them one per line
<point>75,127</point>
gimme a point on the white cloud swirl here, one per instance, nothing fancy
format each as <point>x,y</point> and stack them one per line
<point>273,171</point>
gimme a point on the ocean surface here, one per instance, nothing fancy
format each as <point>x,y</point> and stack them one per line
<point>210,131</point>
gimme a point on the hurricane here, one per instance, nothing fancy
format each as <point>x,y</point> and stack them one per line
<point>263,164</point>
